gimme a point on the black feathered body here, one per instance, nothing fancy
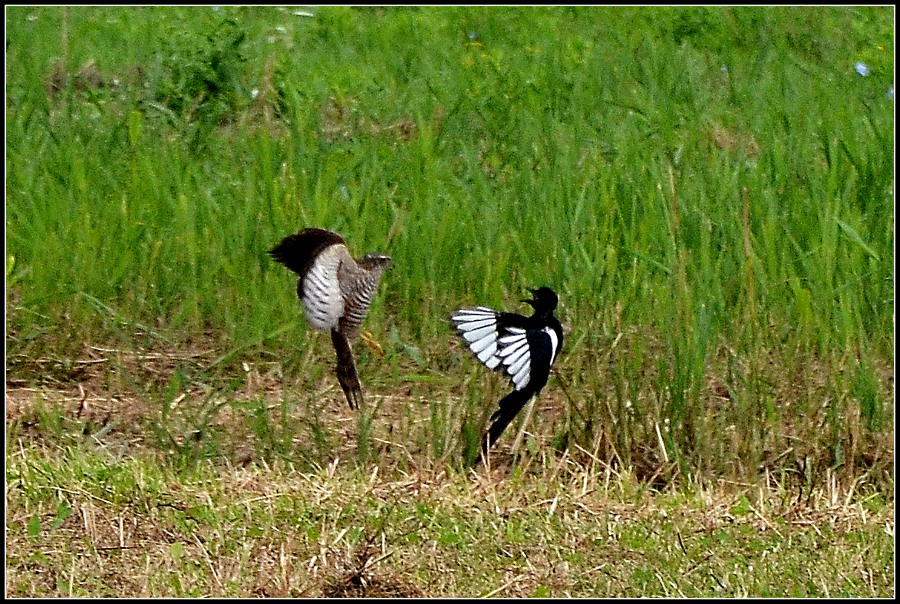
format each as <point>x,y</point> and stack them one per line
<point>523,348</point>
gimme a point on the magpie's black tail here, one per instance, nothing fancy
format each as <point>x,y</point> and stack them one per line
<point>346,369</point>
<point>510,405</point>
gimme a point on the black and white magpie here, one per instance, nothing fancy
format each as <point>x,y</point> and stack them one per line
<point>336,292</point>
<point>524,348</point>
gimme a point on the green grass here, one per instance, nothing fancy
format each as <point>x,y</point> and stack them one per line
<point>709,190</point>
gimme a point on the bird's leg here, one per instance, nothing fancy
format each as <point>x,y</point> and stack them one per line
<point>372,343</point>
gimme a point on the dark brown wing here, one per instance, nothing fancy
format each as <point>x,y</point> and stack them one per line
<point>299,251</point>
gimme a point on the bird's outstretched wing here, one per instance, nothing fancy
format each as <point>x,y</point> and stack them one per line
<point>480,329</point>
<point>316,255</point>
<point>502,342</point>
<point>515,355</point>
<point>346,369</point>
<point>299,251</point>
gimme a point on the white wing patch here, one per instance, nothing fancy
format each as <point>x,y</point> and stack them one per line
<point>509,352</point>
<point>554,344</point>
<point>322,298</point>
<point>478,327</point>
<point>515,355</point>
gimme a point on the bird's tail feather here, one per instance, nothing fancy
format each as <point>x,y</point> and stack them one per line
<point>346,369</point>
<point>510,405</point>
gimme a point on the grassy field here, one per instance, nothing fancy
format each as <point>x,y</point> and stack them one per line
<point>709,190</point>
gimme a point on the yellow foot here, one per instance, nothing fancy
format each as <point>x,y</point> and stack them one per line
<point>372,343</point>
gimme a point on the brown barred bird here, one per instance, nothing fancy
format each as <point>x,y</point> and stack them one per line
<point>336,292</point>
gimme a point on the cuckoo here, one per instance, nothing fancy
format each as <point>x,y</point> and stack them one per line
<point>336,291</point>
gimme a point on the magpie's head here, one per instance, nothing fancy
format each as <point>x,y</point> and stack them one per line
<point>376,262</point>
<point>544,299</point>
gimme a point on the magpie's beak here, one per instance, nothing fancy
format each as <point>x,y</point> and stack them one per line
<point>533,299</point>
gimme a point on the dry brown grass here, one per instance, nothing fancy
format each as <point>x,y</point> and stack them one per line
<point>99,506</point>
<point>121,391</point>
<point>271,531</point>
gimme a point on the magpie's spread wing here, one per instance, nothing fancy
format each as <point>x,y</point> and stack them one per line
<point>515,355</point>
<point>502,342</point>
<point>479,328</point>
<point>527,354</point>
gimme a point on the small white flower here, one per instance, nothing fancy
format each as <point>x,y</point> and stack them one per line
<point>890,93</point>
<point>862,69</point>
